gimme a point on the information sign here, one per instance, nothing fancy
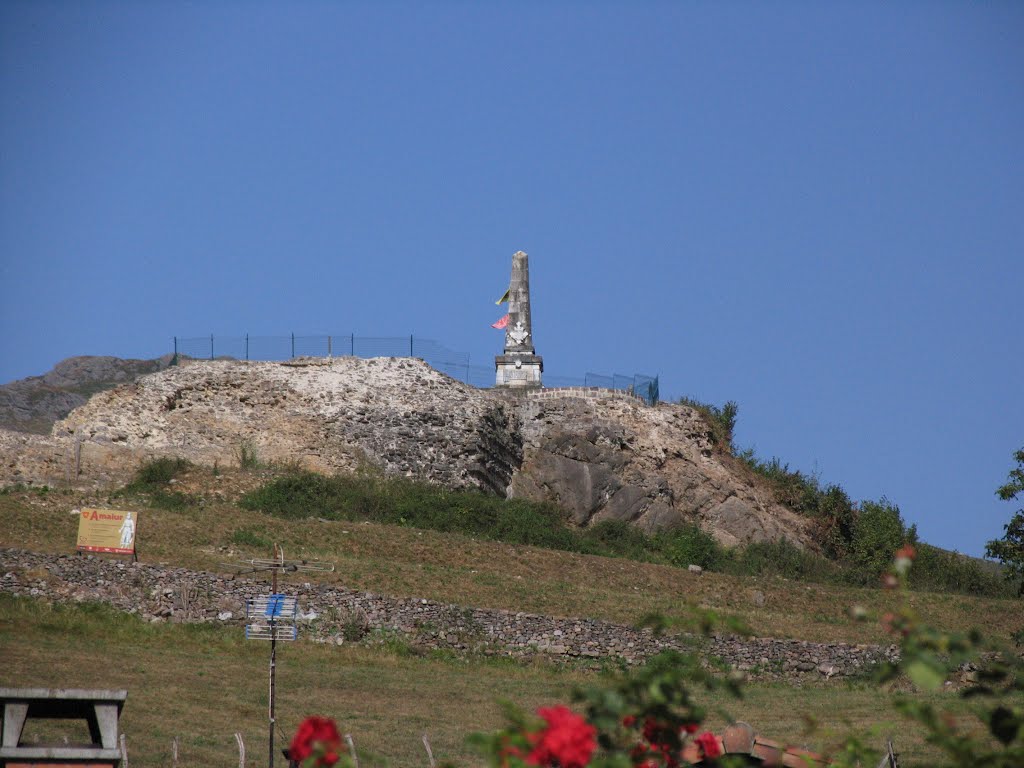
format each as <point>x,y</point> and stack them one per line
<point>107,530</point>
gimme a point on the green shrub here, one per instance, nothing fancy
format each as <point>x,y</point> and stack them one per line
<point>943,571</point>
<point>829,506</point>
<point>398,501</point>
<point>721,421</point>
<point>244,537</point>
<point>878,531</point>
<point>172,501</point>
<point>781,558</point>
<point>247,455</point>
<point>690,545</point>
<point>618,538</point>
<point>159,472</point>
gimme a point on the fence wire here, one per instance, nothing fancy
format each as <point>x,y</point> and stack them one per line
<point>454,364</point>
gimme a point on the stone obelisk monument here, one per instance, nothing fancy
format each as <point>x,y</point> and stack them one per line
<point>520,366</point>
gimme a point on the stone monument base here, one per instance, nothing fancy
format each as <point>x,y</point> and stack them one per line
<point>518,370</point>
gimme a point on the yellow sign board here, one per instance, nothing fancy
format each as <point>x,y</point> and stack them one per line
<point>107,530</point>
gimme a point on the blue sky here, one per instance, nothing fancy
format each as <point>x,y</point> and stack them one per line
<point>813,209</point>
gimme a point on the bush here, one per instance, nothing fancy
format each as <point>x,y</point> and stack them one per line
<point>398,501</point>
<point>781,558</point>
<point>943,571</point>
<point>173,501</point>
<point>246,538</point>
<point>247,455</point>
<point>159,471</point>
<point>690,545</point>
<point>618,538</point>
<point>721,421</point>
<point>878,531</point>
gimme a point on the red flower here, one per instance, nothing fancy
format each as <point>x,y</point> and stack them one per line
<point>708,744</point>
<point>567,742</point>
<point>629,721</point>
<point>316,737</point>
<point>907,551</point>
<point>691,727</point>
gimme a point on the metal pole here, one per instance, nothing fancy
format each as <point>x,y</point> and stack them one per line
<point>410,345</point>
<point>175,360</point>
<point>247,346</point>
<point>273,662</point>
<point>353,347</point>
<point>293,345</point>
<point>211,346</point>
<point>273,667</point>
<point>328,346</point>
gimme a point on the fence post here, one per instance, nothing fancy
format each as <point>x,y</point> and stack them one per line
<point>293,345</point>
<point>211,346</point>
<point>410,345</point>
<point>353,347</point>
<point>328,346</point>
<point>174,360</point>
<point>247,346</point>
<point>352,749</point>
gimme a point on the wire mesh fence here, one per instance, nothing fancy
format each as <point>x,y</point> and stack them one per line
<point>452,363</point>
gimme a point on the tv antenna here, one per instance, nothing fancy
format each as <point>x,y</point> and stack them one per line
<point>272,617</point>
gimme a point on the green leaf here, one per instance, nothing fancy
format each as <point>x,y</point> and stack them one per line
<point>924,675</point>
<point>1005,724</point>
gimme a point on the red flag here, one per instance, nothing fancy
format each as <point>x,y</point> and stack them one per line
<point>501,323</point>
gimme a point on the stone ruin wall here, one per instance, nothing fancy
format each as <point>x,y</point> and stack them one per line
<point>158,594</point>
<point>598,454</point>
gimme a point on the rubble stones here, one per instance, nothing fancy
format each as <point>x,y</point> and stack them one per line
<point>155,593</point>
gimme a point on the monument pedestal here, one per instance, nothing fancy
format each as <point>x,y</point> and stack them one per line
<point>518,370</point>
<point>520,366</point>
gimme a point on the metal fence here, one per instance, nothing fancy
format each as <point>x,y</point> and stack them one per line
<point>454,364</point>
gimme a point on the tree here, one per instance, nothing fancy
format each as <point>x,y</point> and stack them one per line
<point>1009,550</point>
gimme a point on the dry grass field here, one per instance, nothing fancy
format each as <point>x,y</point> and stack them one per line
<point>201,683</point>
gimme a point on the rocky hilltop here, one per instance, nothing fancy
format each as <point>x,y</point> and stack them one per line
<point>600,455</point>
<point>35,403</point>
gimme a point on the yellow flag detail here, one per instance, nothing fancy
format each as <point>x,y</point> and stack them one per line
<point>504,296</point>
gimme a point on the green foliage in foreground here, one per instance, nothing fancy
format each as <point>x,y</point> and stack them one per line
<point>1009,550</point>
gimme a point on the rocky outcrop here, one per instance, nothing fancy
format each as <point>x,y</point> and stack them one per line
<point>617,459</point>
<point>333,613</point>
<point>35,403</point>
<point>599,454</point>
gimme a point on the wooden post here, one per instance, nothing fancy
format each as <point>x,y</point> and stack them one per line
<point>352,749</point>
<point>430,754</point>
<point>174,752</point>
<point>124,752</point>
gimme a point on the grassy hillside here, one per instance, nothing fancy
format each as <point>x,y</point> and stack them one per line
<point>202,683</point>
<point>199,522</point>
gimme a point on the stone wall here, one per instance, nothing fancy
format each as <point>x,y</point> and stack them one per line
<point>336,614</point>
<point>589,393</point>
